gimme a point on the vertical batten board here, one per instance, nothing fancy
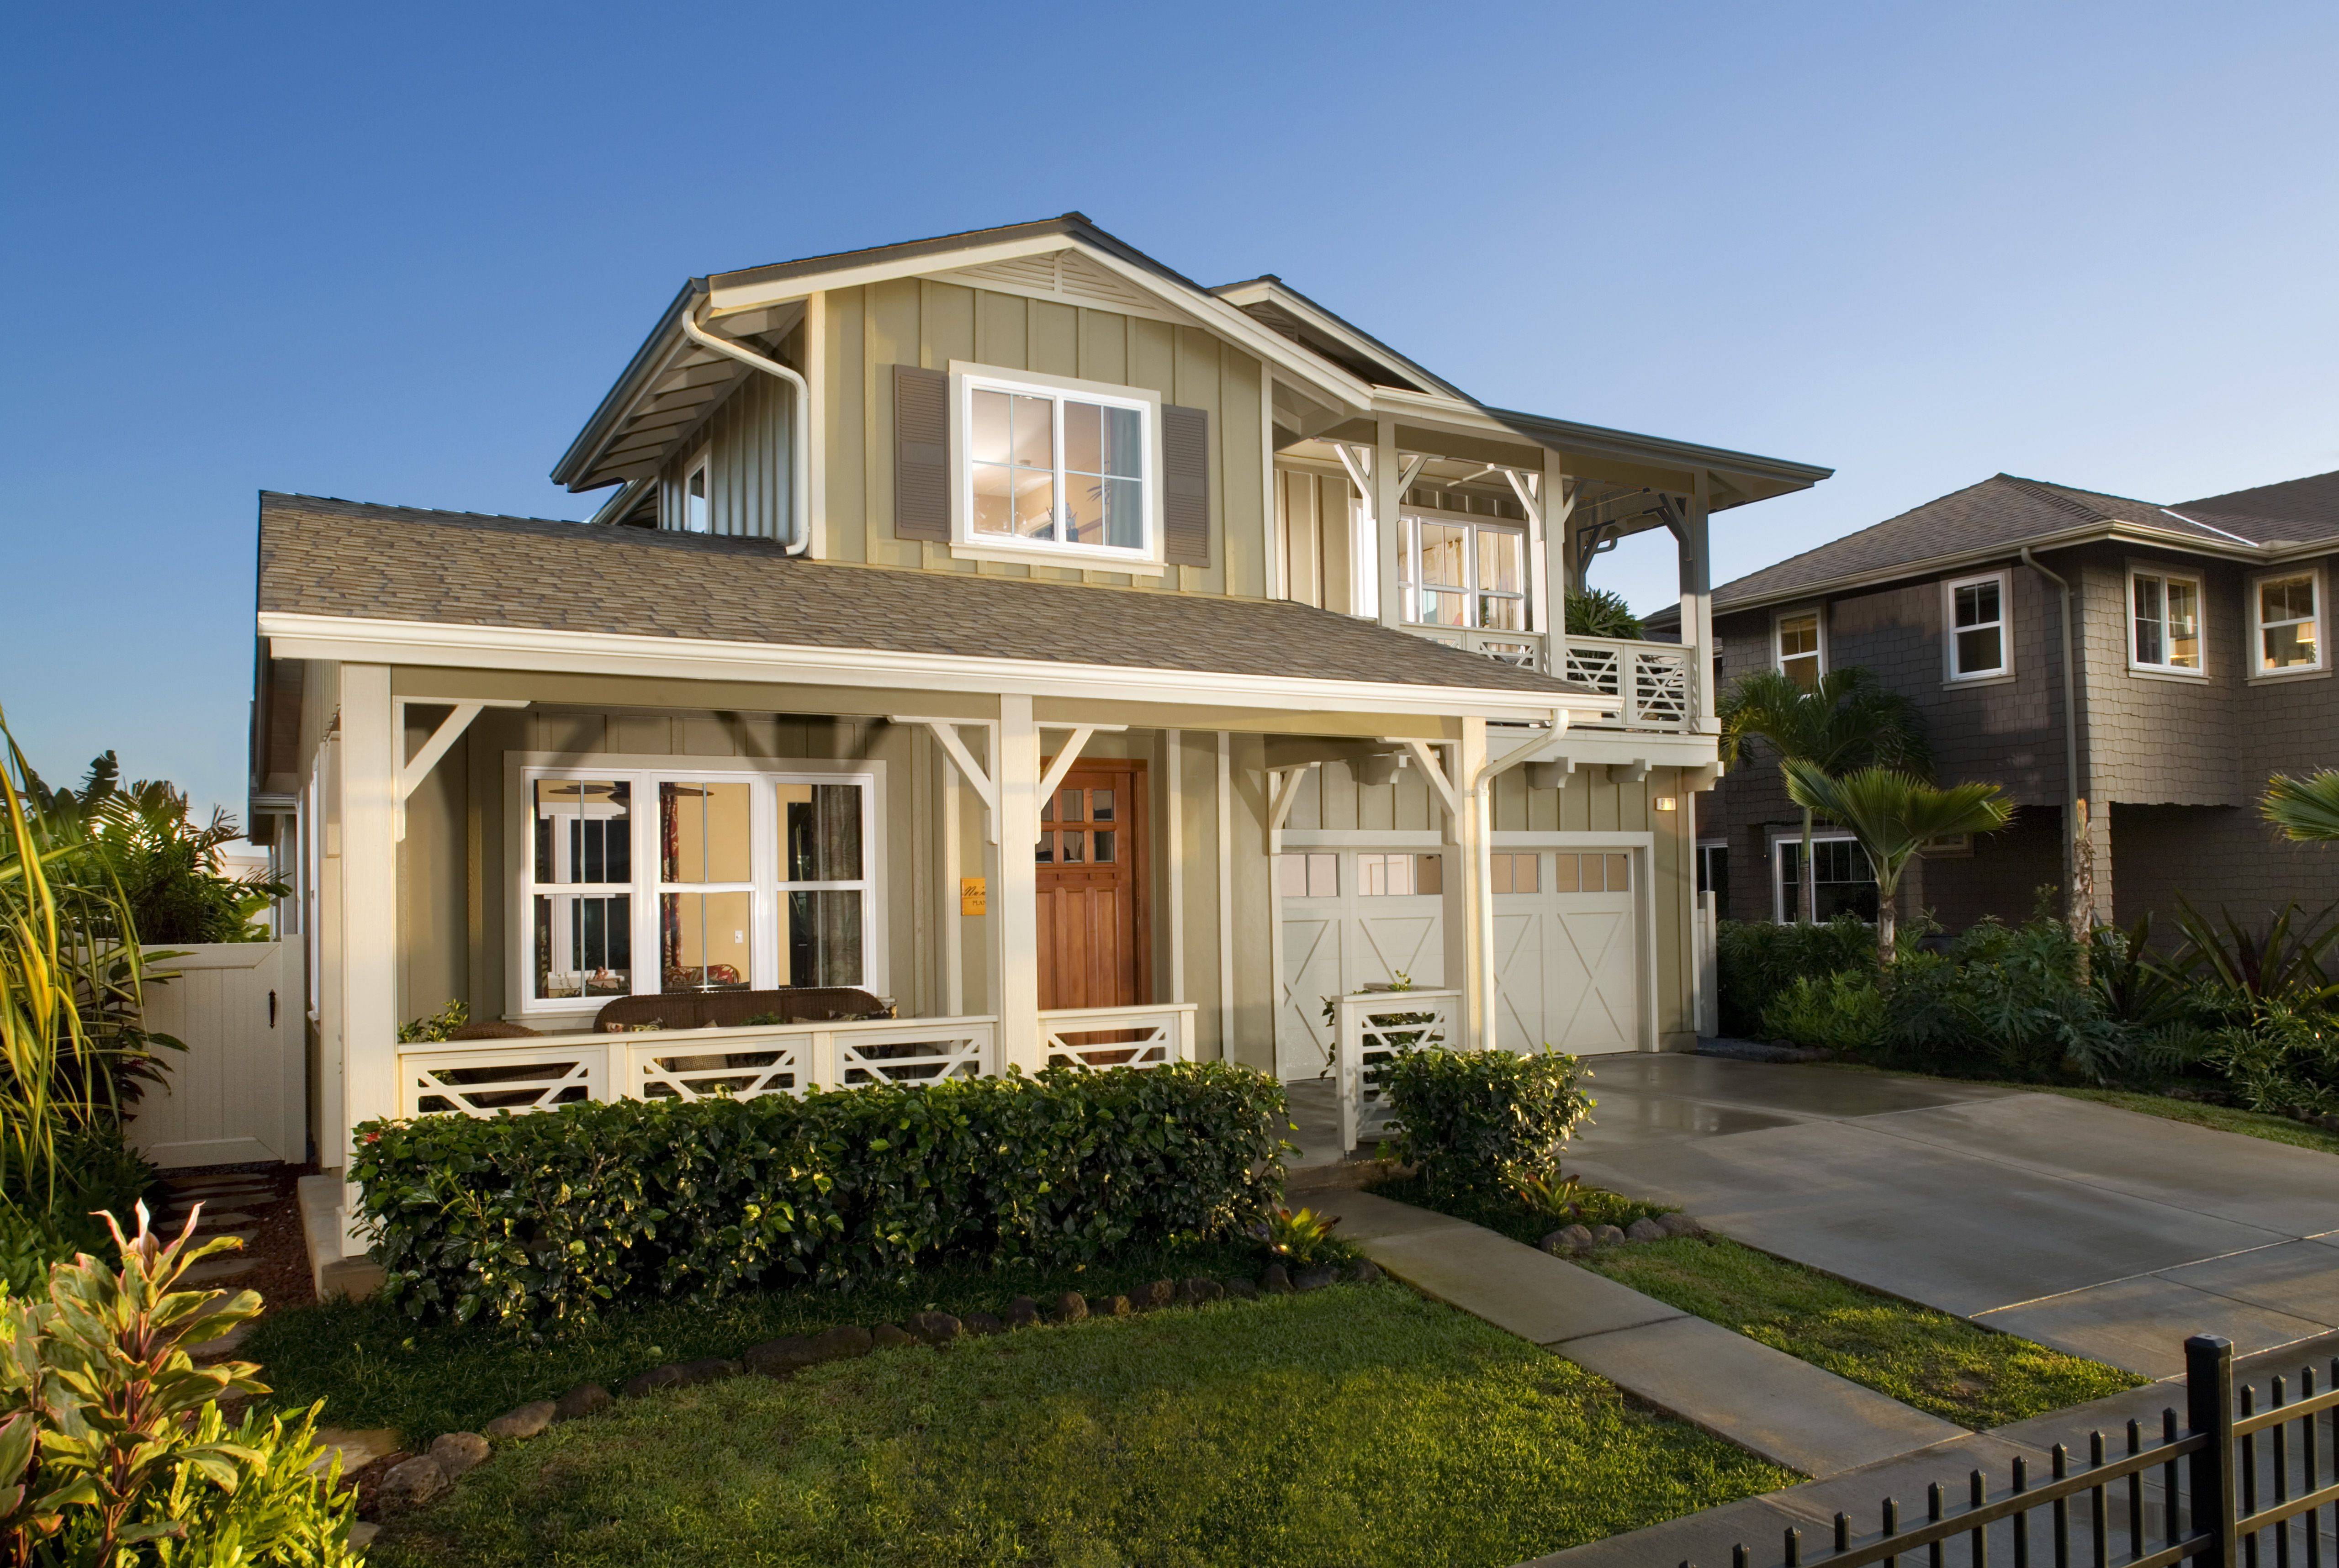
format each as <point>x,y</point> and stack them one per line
<point>1342,807</point>
<point>1195,383</point>
<point>1255,974</point>
<point>1276,585</point>
<point>895,331</point>
<point>846,499</point>
<point>1226,896</point>
<point>1174,858</point>
<point>1245,516</point>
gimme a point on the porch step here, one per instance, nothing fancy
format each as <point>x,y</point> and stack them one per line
<point>323,1228</point>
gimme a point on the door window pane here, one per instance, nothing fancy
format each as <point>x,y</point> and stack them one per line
<point>823,938</point>
<point>707,833</point>
<point>705,941</point>
<point>1102,841</point>
<point>1073,843</point>
<point>820,832</point>
<point>1620,872</point>
<point>1099,805</point>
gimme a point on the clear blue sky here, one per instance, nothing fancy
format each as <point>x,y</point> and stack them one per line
<point>397,252</point>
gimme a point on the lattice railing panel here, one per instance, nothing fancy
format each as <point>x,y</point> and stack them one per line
<point>913,1054</point>
<point>1106,1037</point>
<point>1376,1026</point>
<point>485,1082</point>
<point>1661,693</point>
<point>782,1067</point>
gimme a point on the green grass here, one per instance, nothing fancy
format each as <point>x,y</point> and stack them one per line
<point>1357,1424</point>
<point>1944,1365</point>
<point>374,1367</point>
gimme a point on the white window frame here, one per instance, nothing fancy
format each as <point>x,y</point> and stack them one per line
<point>701,467</point>
<point>768,892</point>
<point>1778,846</point>
<point>965,381</point>
<point>2259,669</point>
<point>1709,846</point>
<point>1950,674</point>
<point>1817,613</point>
<point>1409,520</point>
<point>2165,575</point>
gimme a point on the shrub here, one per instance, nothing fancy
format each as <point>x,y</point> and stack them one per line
<point>537,1220</point>
<point>1842,1012</point>
<point>1303,1239</point>
<point>1484,1121</point>
<point>2281,1058</point>
<point>1758,960</point>
<point>49,1220</point>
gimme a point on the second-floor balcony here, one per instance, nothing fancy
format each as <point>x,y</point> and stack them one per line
<point>1655,683</point>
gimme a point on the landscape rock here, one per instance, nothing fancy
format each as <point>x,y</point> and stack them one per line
<point>1071,1307</point>
<point>891,1337</point>
<point>1160,1292</point>
<point>1200,1289</point>
<point>710,1369</point>
<point>459,1452</point>
<point>581,1401</point>
<point>1605,1234</point>
<point>1276,1281</point>
<point>410,1483</point>
<point>1366,1271</point>
<point>1646,1229</point>
<point>843,1342</point>
<point>1114,1306</point>
<point>1243,1290</point>
<point>361,1534</point>
<point>1314,1278</point>
<point>525,1422</point>
<point>1678,1223</point>
<point>670,1376</point>
<point>935,1327</point>
<point>983,1323</point>
<point>783,1357</point>
<point>1022,1312</point>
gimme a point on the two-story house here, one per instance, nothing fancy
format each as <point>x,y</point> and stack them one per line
<point>2131,673</point>
<point>1098,666</point>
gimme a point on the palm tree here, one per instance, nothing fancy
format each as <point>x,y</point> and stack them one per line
<point>1891,814</point>
<point>2304,809</point>
<point>1847,719</point>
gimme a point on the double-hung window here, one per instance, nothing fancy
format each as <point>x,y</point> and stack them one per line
<point>1057,467</point>
<point>1843,882</point>
<point>1464,573</point>
<point>2288,611</point>
<point>2165,620</point>
<point>642,881</point>
<point>1795,648</point>
<point>1978,625</point>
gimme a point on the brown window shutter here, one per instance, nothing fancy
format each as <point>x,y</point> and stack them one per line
<point>1185,485</point>
<point>921,454</point>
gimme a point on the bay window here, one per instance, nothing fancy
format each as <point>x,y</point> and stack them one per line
<point>2164,618</point>
<point>642,881</point>
<point>1464,573</point>
<point>2288,611</point>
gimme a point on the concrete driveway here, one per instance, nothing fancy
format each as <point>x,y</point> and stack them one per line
<point>2098,1231</point>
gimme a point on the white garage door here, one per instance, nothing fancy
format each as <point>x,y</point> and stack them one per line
<point>1351,918</point>
<point>1567,969</point>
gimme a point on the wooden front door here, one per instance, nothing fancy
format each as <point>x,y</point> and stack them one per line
<point>1091,873</point>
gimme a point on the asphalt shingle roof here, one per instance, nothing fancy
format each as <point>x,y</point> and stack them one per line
<point>2299,510</point>
<point>333,558</point>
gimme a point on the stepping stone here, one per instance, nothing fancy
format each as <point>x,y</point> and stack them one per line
<point>223,1219</point>
<point>224,1346</point>
<point>358,1449</point>
<point>211,1268</point>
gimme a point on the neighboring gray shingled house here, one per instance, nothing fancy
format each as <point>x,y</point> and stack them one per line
<point>2202,665</point>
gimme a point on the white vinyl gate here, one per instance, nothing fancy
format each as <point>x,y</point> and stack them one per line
<point>1568,957</point>
<point>238,1091</point>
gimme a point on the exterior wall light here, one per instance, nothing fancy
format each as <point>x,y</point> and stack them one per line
<point>1667,802</point>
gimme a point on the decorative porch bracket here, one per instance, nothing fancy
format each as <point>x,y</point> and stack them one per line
<point>985,779</point>
<point>442,739</point>
<point>1285,794</point>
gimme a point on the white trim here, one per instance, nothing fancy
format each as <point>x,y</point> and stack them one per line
<point>1306,838</point>
<point>966,378</point>
<point>1226,897</point>
<point>1174,850</point>
<point>1410,575</point>
<point>2321,621</point>
<point>2199,669</point>
<point>1784,836</point>
<point>1950,672</point>
<point>461,646</point>
<point>1817,613</point>
<point>701,466</point>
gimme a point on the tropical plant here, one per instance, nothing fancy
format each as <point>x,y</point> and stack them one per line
<point>1559,1197</point>
<point>169,867</point>
<point>1892,814</point>
<point>1846,721</point>
<point>1758,959</point>
<point>1602,613</point>
<point>72,1045</point>
<point>441,1025</point>
<point>1839,1012</point>
<point>1303,1237</point>
<point>2304,809</point>
<point>2249,968</point>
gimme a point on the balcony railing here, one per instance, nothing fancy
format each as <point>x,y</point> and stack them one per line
<point>1654,683</point>
<point>546,1071</point>
<point>1373,1026</point>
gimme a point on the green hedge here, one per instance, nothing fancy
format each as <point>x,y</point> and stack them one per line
<point>1759,960</point>
<point>1483,1120</point>
<point>540,1219</point>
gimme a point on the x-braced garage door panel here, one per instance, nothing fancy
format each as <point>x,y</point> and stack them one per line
<point>1351,918</point>
<point>1567,969</point>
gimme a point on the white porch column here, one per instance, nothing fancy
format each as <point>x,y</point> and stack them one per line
<point>1697,608</point>
<point>1015,891</point>
<point>1468,889</point>
<point>369,759</point>
<point>1388,496</point>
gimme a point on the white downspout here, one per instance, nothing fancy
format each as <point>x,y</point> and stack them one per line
<point>800,465</point>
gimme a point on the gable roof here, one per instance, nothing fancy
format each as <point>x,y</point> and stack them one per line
<point>327,558</point>
<point>2295,509</point>
<point>1998,517</point>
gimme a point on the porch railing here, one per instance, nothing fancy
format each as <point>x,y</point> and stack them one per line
<point>1373,1026</point>
<point>546,1071</point>
<point>1656,683</point>
<point>2241,1487</point>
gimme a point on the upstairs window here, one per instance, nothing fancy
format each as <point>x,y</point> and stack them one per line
<point>697,509</point>
<point>2287,610</point>
<point>1460,573</point>
<point>1978,628</point>
<point>2165,615</point>
<point>1795,641</point>
<point>1051,470</point>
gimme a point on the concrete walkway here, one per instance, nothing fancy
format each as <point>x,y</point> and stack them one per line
<point>2099,1231</point>
<point>1784,1409</point>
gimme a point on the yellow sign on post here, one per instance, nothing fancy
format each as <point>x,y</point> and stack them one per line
<point>973,897</point>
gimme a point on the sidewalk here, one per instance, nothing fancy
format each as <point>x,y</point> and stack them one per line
<point>1768,1402</point>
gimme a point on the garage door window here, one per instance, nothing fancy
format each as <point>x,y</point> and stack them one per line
<point>1515,873</point>
<point>1307,875</point>
<point>1399,875</point>
<point>1592,873</point>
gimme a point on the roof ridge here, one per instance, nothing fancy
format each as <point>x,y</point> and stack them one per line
<point>268,494</point>
<point>1839,539</point>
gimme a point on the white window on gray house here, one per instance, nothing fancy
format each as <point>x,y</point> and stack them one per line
<point>1977,627</point>
<point>1464,573</point>
<point>1845,884</point>
<point>1795,641</point>
<point>1713,870</point>
<point>2288,611</point>
<point>2165,612</point>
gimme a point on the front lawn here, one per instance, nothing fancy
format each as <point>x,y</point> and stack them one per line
<point>1955,1369</point>
<point>1356,1425</point>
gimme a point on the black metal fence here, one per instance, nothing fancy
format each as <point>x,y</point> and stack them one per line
<point>2240,1487</point>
